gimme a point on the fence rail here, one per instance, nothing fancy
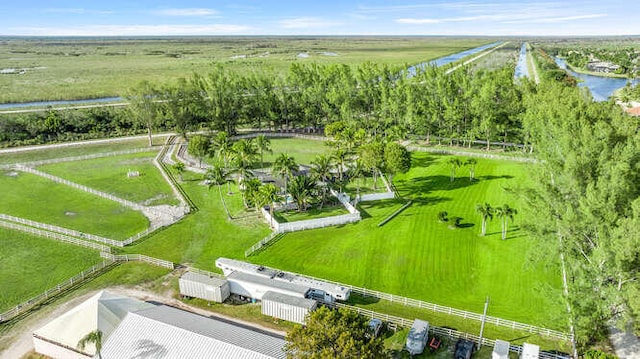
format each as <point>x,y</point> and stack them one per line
<point>57,289</point>
<point>281,135</point>
<point>138,258</point>
<point>158,162</point>
<point>448,310</point>
<point>56,236</point>
<point>207,273</point>
<point>61,230</point>
<point>263,242</point>
<point>471,154</point>
<point>84,157</point>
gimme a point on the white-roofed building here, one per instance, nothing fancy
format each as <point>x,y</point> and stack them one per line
<point>500,350</point>
<point>104,312</point>
<point>168,333</point>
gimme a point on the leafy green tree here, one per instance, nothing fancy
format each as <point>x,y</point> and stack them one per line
<point>198,147</point>
<point>339,334</point>
<point>302,189</point>
<point>221,146</point>
<point>486,212</point>
<point>504,213</point>
<point>252,195</point>
<point>283,166</point>
<point>263,144</point>
<point>178,105</point>
<point>244,156</point>
<point>95,338</point>
<point>179,167</point>
<point>144,108</point>
<point>397,159</point>
<point>372,157</point>
<point>340,158</point>
<point>217,175</point>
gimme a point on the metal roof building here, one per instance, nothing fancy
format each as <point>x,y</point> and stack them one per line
<point>286,307</point>
<point>167,332</point>
<point>202,286</point>
<point>255,286</point>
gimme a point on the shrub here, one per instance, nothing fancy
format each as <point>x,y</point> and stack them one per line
<point>442,216</point>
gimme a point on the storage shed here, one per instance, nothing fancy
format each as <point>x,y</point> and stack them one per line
<point>255,286</point>
<point>203,286</point>
<point>417,337</point>
<point>530,351</point>
<point>287,307</point>
<point>500,350</point>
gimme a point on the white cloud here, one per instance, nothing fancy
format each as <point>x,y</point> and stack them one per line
<point>133,30</point>
<point>555,19</point>
<point>190,12</point>
<point>418,21</point>
<point>306,23</point>
<point>78,11</point>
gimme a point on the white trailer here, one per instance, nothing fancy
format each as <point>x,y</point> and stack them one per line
<point>282,306</point>
<point>205,287</point>
<point>500,350</point>
<point>530,351</point>
<point>417,337</point>
<point>254,286</point>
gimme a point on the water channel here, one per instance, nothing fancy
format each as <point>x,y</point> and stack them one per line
<point>411,71</point>
<point>601,87</point>
<point>521,66</point>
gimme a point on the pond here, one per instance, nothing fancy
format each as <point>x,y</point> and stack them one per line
<point>601,87</point>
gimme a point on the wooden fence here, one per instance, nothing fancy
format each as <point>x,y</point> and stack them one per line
<point>56,290</point>
<point>52,235</point>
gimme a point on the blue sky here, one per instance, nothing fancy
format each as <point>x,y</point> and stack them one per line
<point>328,17</point>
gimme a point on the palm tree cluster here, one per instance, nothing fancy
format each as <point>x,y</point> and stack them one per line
<point>487,212</point>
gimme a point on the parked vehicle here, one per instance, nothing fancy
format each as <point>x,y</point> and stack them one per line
<point>417,338</point>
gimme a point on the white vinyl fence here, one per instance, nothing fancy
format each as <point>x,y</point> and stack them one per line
<point>138,258</point>
<point>52,235</point>
<point>471,154</point>
<point>55,290</point>
<point>316,223</point>
<point>376,196</point>
<point>84,157</point>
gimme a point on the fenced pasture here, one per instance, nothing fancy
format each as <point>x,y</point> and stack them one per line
<point>91,69</point>
<point>32,197</point>
<point>416,256</point>
<point>32,264</point>
<point>110,175</point>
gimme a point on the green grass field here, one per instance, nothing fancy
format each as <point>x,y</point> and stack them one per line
<point>416,256</point>
<point>316,212</point>
<point>109,175</point>
<point>87,68</point>
<point>303,151</point>
<point>31,265</point>
<point>36,198</point>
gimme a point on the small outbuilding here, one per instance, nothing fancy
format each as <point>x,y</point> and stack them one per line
<point>530,351</point>
<point>286,307</point>
<point>500,350</point>
<point>417,337</point>
<point>204,286</point>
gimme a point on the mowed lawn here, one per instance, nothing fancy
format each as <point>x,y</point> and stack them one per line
<point>415,255</point>
<point>31,265</point>
<point>38,199</point>
<point>303,151</point>
<point>109,175</point>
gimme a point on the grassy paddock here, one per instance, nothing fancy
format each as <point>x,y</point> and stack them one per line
<point>313,213</point>
<point>31,265</point>
<point>109,175</point>
<point>416,256</point>
<point>36,198</point>
<point>89,68</point>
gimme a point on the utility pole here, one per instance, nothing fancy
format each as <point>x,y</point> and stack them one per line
<point>484,316</point>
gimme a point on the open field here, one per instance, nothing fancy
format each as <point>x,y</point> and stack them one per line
<point>91,68</point>
<point>294,215</point>
<point>109,175</point>
<point>38,199</point>
<point>416,256</point>
<point>31,265</point>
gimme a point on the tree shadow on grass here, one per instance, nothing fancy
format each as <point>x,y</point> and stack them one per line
<point>421,186</point>
<point>422,161</point>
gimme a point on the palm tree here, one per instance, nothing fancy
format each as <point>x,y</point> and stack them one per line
<point>217,175</point>
<point>357,171</point>
<point>283,166</point>
<point>95,338</point>
<point>244,156</point>
<point>251,194</point>
<point>505,212</point>
<point>454,163</point>
<point>486,212</point>
<point>221,146</point>
<point>321,169</point>
<point>179,167</point>
<point>302,189</point>
<point>270,194</point>
<point>471,163</point>
<point>263,144</point>
<point>340,157</point>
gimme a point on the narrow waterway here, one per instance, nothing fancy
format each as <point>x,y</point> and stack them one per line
<point>411,71</point>
<point>601,87</point>
<point>56,103</point>
<point>521,66</point>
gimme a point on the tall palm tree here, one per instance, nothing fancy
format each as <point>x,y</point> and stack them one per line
<point>270,194</point>
<point>244,156</point>
<point>471,163</point>
<point>251,194</point>
<point>505,212</point>
<point>321,170</point>
<point>340,158</point>
<point>263,144</point>
<point>221,146</point>
<point>302,189</point>
<point>217,175</point>
<point>95,338</point>
<point>455,163</point>
<point>283,166</point>
<point>486,212</point>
